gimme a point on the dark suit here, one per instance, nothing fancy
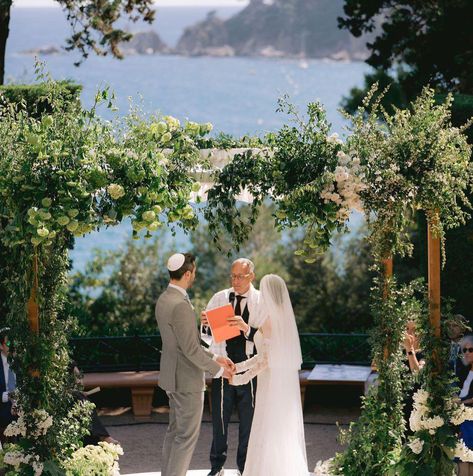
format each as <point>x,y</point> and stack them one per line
<point>6,416</point>
<point>240,396</point>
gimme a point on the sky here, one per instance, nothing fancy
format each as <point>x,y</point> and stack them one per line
<point>163,3</point>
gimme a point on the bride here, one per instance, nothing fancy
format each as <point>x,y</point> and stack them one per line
<point>277,445</point>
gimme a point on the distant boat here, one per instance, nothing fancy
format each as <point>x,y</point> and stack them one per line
<point>303,64</point>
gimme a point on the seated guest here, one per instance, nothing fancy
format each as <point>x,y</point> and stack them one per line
<point>7,383</point>
<point>97,431</point>
<point>464,374</point>
<point>457,328</point>
<point>414,363</point>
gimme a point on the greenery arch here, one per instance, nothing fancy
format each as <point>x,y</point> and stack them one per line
<point>71,172</point>
<point>62,175</point>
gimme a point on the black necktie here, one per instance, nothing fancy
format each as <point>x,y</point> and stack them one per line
<point>238,305</point>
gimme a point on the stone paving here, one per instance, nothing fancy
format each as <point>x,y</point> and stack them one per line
<point>142,440</point>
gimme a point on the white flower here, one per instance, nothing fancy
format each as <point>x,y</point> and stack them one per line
<point>460,413</point>
<point>324,468</point>
<point>14,458</point>
<point>116,191</point>
<point>43,422</point>
<point>16,428</point>
<point>172,122</point>
<point>334,139</point>
<point>416,445</point>
<point>343,159</point>
<point>463,452</point>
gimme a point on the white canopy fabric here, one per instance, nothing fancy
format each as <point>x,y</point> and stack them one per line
<point>218,158</point>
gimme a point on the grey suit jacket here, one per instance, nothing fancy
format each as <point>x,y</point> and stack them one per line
<point>183,359</point>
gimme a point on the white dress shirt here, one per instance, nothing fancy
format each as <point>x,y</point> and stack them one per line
<point>252,300</point>
<point>466,385</point>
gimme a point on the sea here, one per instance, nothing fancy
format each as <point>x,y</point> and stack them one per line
<point>237,95</point>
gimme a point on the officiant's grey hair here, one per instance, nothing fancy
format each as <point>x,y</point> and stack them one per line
<point>248,262</point>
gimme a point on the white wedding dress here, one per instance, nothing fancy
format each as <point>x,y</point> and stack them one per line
<point>277,444</point>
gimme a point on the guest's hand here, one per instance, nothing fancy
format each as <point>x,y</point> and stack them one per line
<point>409,342</point>
<point>237,321</point>
<point>226,363</point>
<point>203,318</point>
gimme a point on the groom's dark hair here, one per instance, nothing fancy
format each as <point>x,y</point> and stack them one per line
<point>188,265</point>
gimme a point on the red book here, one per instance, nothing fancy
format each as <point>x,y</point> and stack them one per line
<point>221,329</point>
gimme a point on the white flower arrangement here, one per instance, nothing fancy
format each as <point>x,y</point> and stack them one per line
<point>416,445</point>
<point>463,452</point>
<point>419,419</point>
<point>116,191</point>
<point>460,413</point>
<point>16,428</point>
<point>15,457</point>
<point>101,460</point>
<point>43,421</point>
<point>344,185</point>
<point>324,468</point>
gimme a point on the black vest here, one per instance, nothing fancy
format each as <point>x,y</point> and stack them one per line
<point>236,346</point>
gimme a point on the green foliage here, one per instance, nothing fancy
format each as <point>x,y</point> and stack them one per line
<point>430,40</point>
<point>332,294</point>
<point>34,97</point>
<point>225,141</point>
<point>412,159</point>
<point>117,291</point>
<point>374,441</point>
<point>94,25</point>
<point>62,175</point>
<point>298,172</point>
<point>394,96</point>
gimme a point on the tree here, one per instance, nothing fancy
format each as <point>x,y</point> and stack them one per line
<point>93,25</point>
<point>116,293</point>
<point>430,41</point>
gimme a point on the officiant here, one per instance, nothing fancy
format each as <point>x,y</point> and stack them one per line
<point>224,397</point>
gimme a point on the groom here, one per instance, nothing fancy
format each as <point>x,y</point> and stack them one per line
<point>245,299</point>
<point>183,363</point>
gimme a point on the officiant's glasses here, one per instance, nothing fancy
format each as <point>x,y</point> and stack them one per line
<point>239,277</point>
<point>467,349</point>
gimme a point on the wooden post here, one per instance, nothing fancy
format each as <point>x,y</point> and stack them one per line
<point>388,274</point>
<point>33,308</point>
<point>433,249</point>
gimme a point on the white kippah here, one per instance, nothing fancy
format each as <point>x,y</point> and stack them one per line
<point>176,261</point>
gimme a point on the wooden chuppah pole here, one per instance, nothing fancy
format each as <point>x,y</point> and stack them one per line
<point>388,274</point>
<point>433,250</point>
<point>32,306</point>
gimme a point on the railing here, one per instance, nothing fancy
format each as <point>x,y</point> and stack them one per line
<point>114,354</point>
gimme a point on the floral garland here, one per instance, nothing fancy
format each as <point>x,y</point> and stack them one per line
<point>308,173</point>
<point>63,175</point>
<point>413,159</point>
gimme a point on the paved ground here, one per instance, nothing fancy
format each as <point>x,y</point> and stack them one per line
<point>142,440</point>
